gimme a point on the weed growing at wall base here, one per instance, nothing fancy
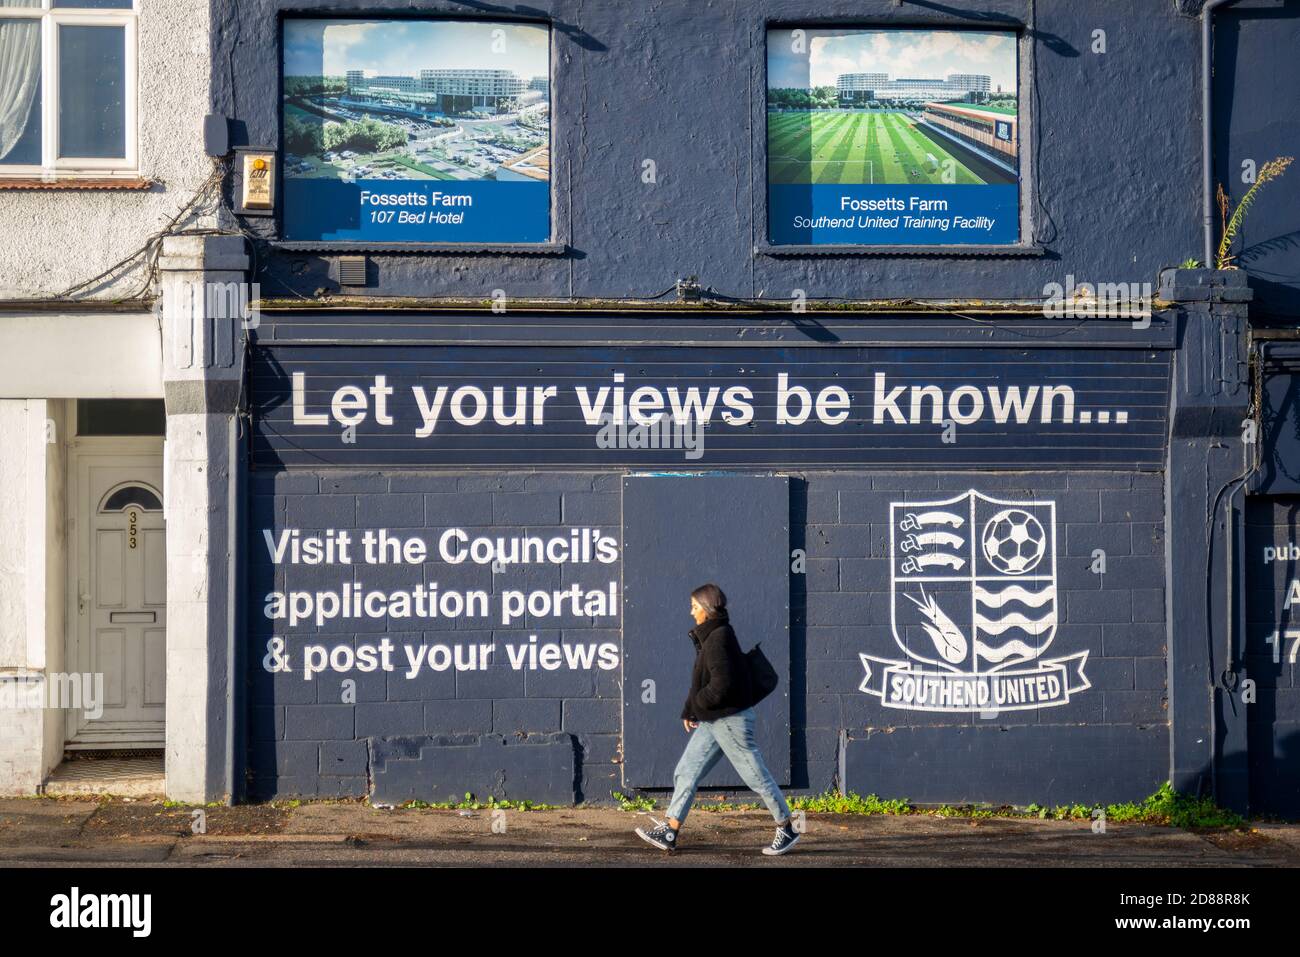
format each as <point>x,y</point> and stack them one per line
<point>1164,807</point>
<point>638,803</point>
<point>469,803</point>
<point>1167,806</point>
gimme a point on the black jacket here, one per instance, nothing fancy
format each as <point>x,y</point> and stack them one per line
<point>720,679</point>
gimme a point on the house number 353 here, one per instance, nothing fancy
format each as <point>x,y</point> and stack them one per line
<point>132,517</point>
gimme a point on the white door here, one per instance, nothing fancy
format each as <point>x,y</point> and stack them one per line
<point>119,597</point>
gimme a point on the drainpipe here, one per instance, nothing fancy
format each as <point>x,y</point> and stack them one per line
<point>234,573</point>
<point>1207,123</point>
<point>236,492</point>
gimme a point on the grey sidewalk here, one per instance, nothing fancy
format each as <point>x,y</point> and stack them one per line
<point>118,832</point>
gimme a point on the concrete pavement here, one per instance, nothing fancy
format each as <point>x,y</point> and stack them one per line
<point>117,832</point>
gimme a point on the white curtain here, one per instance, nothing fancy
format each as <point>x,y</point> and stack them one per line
<point>20,70</point>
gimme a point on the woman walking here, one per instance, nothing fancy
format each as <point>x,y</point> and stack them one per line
<point>719,717</point>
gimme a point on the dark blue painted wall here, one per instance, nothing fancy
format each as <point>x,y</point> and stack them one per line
<point>1279,456</point>
<point>304,739</point>
<point>1113,194</point>
<point>1256,87</point>
<point>680,532</point>
<point>1113,140</point>
<point>1272,641</point>
<point>1109,742</point>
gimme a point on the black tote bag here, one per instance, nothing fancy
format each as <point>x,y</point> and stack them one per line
<point>762,676</point>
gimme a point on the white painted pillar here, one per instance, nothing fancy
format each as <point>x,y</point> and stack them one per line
<point>202,370</point>
<point>32,571</point>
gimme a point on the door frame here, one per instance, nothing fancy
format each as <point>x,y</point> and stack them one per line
<point>77,546</point>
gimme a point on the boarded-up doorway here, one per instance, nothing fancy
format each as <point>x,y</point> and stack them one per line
<point>680,531</point>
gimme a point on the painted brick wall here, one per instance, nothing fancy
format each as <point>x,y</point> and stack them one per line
<point>303,741</point>
<point>1110,741</point>
<point>1039,755</point>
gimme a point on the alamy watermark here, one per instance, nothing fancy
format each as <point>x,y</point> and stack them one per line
<point>77,909</point>
<point>1105,300</point>
<point>660,431</point>
<point>77,691</point>
<point>238,301</point>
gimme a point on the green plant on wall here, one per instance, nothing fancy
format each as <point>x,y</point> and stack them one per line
<point>1232,224</point>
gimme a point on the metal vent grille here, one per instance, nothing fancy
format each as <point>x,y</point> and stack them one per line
<point>112,754</point>
<point>352,270</point>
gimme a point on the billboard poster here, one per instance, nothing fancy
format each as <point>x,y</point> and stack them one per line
<point>892,137</point>
<point>416,131</point>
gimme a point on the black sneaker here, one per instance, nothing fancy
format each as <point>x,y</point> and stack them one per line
<point>661,836</point>
<point>786,838</point>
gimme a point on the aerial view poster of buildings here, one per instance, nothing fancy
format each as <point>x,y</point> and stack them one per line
<point>892,137</point>
<point>423,131</point>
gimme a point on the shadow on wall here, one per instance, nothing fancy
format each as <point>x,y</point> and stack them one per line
<point>799,776</point>
<point>1274,760</point>
<point>1254,63</point>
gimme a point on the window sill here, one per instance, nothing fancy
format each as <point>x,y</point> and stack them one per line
<point>955,251</point>
<point>122,183</point>
<point>458,249</point>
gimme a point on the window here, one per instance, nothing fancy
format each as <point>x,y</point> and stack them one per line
<point>416,131</point>
<point>887,136</point>
<point>123,497</point>
<point>121,417</point>
<point>67,87</point>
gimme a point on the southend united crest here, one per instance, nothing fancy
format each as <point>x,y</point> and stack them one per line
<point>974,607</point>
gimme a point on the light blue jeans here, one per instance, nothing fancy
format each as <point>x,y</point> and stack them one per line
<point>734,737</point>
